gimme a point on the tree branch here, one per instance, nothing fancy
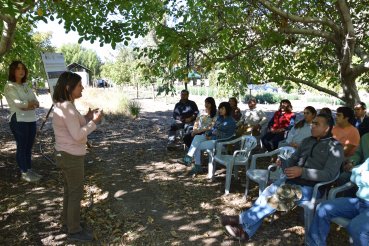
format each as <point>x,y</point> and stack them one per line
<point>361,53</point>
<point>296,18</point>
<point>7,36</point>
<point>311,32</point>
<point>361,68</point>
<point>10,25</point>
<point>315,86</point>
<point>349,40</point>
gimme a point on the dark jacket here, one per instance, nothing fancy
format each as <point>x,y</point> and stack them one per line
<point>320,159</point>
<point>185,109</point>
<point>363,126</point>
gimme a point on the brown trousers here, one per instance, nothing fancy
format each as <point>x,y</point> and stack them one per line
<point>72,168</point>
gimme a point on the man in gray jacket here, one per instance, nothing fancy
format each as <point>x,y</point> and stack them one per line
<point>317,159</point>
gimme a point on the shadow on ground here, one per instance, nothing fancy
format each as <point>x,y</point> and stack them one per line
<point>136,193</point>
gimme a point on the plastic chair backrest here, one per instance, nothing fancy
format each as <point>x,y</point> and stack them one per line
<point>248,143</point>
<point>286,152</point>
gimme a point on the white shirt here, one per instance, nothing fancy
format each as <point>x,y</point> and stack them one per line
<point>297,135</point>
<point>18,96</point>
<point>253,117</point>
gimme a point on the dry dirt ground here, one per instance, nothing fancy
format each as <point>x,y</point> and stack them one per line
<point>135,192</point>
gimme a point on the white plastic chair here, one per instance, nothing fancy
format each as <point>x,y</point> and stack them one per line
<point>240,157</point>
<point>264,176</point>
<point>341,221</point>
<point>309,206</point>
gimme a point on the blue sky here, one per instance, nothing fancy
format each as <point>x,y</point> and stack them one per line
<point>59,37</point>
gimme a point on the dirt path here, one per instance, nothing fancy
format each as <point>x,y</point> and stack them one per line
<point>136,193</point>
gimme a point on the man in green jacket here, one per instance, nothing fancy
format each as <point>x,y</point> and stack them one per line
<point>360,155</point>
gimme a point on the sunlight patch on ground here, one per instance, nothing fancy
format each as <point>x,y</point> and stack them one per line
<point>173,217</point>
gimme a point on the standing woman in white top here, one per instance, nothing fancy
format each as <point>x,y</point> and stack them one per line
<point>71,130</point>
<point>22,104</point>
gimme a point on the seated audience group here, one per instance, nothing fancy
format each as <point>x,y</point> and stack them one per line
<point>325,147</point>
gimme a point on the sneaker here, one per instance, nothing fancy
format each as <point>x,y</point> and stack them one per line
<point>29,177</point>
<point>187,160</point>
<point>197,169</point>
<point>230,220</point>
<point>237,232</point>
<point>34,173</point>
<point>82,236</point>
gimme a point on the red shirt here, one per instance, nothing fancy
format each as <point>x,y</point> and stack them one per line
<point>282,120</point>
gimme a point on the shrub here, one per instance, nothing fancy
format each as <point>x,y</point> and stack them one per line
<point>326,100</point>
<point>134,108</point>
<point>269,98</point>
<point>291,97</point>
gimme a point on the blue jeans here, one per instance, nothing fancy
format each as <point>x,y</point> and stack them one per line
<point>355,209</point>
<point>252,218</point>
<point>24,134</point>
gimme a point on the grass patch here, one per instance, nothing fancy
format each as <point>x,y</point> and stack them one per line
<point>111,101</point>
<point>134,108</point>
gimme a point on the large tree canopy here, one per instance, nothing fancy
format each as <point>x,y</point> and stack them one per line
<point>322,44</point>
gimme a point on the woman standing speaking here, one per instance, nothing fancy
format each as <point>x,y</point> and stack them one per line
<point>22,104</point>
<point>71,130</point>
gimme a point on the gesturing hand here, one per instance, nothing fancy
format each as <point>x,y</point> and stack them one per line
<point>90,114</point>
<point>97,115</point>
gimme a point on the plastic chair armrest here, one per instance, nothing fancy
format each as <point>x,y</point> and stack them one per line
<point>320,184</point>
<point>225,139</point>
<point>333,192</point>
<point>256,156</point>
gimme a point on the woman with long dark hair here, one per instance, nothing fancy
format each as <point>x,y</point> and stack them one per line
<point>71,130</point>
<point>224,127</point>
<point>204,122</point>
<point>301,129</point>
<point>22,104</point>
<point>236,112</point>
<point>282,121</point>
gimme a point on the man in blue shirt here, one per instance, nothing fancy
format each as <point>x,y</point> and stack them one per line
<point>184,115</point>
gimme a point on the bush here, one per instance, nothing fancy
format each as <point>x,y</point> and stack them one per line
<point>291,97</point>
<point>134,108</point>
<point>326,100</point>
<point>269,98</point>
<point>198,90</point>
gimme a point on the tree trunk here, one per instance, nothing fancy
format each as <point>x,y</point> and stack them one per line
<point>153,91</point>
<point>137,90</point>
<point>8,33</point>
<point>349,88</point>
